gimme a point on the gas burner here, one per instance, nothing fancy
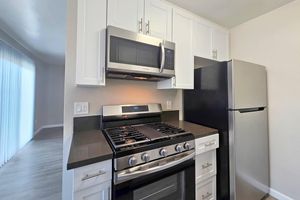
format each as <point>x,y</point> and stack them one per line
<point>166,129</point>
<point>125,136</point>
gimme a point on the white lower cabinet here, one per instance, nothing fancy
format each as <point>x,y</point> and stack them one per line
<point>98,192</point>
<point>93,182</point>
<point>206,190</point>
<point>206,167</point>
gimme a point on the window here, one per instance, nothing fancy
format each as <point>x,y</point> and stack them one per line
<point>17,79</point>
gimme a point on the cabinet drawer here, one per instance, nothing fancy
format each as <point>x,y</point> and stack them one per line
<point>205,165</point>
<point>207,143</point>
<point>93,174</point>
<point>206,190</point>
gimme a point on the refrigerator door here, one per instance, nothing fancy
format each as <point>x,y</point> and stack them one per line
<point>249,154</point>
<point>247,85</point>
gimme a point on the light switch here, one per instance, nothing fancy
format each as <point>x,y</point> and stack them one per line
<point>81,108</point>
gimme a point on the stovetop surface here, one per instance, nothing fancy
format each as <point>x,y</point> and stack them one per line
<point>134,136</point>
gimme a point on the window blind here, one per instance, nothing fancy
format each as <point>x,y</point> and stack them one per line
<point>17,77</point>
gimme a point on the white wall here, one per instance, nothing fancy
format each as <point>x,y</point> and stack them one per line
<point>273,40</point>
<point>115,92</point>
<point>49,96</point>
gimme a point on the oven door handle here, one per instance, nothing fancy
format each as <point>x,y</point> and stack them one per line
<point>124,175</point>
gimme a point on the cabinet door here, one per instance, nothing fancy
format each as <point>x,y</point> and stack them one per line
<point>158,19</point>
<point>126,14</point>
<point>205,165</point>
<point>91,28</point>
<point>184,59</point>
<point>98,192</point>
<point>220,45</point>
<point>206,190</point>
<point>202,40</point>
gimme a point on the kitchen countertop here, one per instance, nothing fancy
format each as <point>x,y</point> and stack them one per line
<point>91,146</point>
<point>197,130</point>
<point>88,147</point>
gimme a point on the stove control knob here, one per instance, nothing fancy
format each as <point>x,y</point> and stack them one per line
<point>187,146</point>
<point>132,161</point>
<point>145,157</point>
<point>163,152</point>
<point>178,148</point>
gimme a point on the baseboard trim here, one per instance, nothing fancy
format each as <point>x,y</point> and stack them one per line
<point>47,126</point>
<point>278,195</point>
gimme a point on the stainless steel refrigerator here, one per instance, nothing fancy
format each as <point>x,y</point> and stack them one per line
<point>232,97</point>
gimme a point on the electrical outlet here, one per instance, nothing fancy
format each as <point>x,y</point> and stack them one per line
<point>169,105</point>
<point>81,108</point>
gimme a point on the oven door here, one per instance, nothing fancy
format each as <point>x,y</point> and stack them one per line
<point>174,182</point>
<point>129,52</point>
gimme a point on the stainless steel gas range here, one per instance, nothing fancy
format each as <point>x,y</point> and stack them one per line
<point>152,159</point>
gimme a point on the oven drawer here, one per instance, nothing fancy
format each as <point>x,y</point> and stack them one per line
<point>207,143</point>
<point>93,174</point>
<point>205,165</point>
<point>206,190</point>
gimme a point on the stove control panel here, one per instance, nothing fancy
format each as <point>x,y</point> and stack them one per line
<point>150,155</point>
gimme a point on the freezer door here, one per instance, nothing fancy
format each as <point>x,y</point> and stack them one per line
<point>249,154</point>
<point>247,85</point>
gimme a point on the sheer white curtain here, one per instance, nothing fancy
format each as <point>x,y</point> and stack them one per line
<point>17,76</point>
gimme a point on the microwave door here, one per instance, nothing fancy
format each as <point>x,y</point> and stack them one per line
<point>132,53</point>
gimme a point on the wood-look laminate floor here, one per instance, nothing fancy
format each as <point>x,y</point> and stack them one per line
<point>35,172</point>
<point>270,198</point>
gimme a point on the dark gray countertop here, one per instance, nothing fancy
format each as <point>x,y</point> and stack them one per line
<point>197,130</point>
<point>88,147</point>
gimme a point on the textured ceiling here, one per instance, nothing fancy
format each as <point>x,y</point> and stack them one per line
<point>40,25</point>
<point>230,13</point>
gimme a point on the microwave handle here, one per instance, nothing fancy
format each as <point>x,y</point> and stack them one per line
<point>163,57</point>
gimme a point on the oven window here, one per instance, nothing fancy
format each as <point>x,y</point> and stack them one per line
<point>169,188</point>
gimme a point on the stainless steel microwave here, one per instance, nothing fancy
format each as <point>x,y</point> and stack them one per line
<point>131,55</point>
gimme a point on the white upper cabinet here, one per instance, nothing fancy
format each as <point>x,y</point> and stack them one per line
<point>202,40</point>
<point>220,45</point>
<point>150,17</point>
<point>126,14</point>
<point>210,42</point>
<point>91,28</point>
<point>184,59</point>
<point>158,19</point>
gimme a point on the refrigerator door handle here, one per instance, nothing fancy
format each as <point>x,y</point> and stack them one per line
<point>247,110</point>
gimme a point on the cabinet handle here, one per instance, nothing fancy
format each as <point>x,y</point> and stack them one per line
<point>141,25</point>
<point>148,27</point>
<point>208,194</point>
<point>103,75</point>
<point>215,54</point>
<point>86,177</point>
<point>207,165</point>
<point>209,144</point>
